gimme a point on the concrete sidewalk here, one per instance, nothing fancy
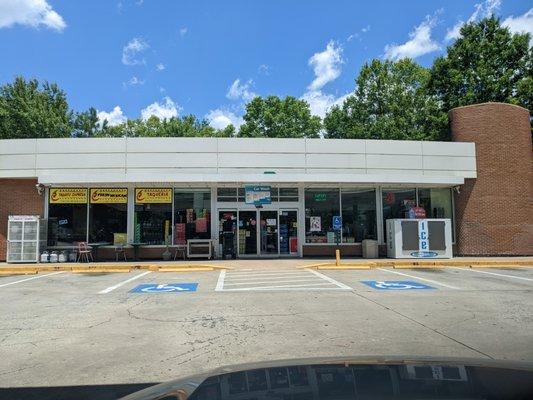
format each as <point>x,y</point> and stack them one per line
<point>203,265</point>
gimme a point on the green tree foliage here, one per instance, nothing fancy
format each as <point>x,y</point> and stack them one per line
<point>30,110</point>
<point>187,126</point>
<point>391,101</point>
<point>487,63</point>
<point>86,124</point>
<point>273,117</point>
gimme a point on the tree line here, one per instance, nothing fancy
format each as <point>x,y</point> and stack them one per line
<point>392,99</point>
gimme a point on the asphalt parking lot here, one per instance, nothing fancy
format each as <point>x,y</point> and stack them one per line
<point>61,328</point>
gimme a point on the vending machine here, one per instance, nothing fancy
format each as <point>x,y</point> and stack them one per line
<point>26,236</point>
<point>419,238</point>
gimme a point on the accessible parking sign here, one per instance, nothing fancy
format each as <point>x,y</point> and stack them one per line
<point>396,285</point>
<point>165,288</point>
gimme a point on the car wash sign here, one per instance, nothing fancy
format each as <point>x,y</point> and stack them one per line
<point>258,195</point>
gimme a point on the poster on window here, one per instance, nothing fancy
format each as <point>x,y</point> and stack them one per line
<point>315,224</point>
<point>201,225</point>
<point>68,196</point>
<point>109,196</point>
<point>153,196</point>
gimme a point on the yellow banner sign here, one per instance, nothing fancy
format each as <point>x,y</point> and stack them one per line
<point>109,195</point>
<point>153,195</point>
<point>68,196</point>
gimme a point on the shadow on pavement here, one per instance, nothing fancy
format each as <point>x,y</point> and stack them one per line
<point>100,392</point>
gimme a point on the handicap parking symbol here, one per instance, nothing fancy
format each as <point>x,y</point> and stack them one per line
<point>165,288</point>
<point>396,285</point>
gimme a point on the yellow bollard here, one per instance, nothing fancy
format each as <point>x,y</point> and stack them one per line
<point>337,257</point>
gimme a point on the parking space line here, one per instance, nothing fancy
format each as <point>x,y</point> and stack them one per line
<point>305,286</point>
<point>33,277</point>
<point>330,280</point>
<point>262,282</point>
<point>420,278</point>
<point>267,277</point>
<point>236,274</point>
<point>220,282</point>
<point>111,288</point>
<point>494,273</point>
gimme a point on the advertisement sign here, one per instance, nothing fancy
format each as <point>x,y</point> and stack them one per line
<point>68,196</point>
<point>257,194</point>
<point>109,196</point>
<point>153,195</point>
<point>320,196</point>
<point>315,224</point>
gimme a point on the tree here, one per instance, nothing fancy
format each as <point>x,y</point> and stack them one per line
<point>272,117</point>
<point>487,63</point>
<point>30,110</point>
<point>391,101</point>
<point>86,124</point>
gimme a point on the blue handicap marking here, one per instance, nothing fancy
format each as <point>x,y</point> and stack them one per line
<point>165,288</point>
<point>396,285</point>
<point>337,222</point>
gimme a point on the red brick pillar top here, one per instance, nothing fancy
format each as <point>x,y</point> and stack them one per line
<point>494,213</point>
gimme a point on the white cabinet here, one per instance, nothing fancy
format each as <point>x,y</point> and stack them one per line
<point>26,234</point>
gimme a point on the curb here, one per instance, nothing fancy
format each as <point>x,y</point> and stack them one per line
<point>421,265</point>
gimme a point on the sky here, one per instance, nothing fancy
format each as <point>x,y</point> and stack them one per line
<point>137,58</point>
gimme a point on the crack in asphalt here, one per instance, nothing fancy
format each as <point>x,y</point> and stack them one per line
<point>423,325</point>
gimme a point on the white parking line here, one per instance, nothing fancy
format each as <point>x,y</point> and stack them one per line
<point>33,277</point>
<point>276,281</point>
<point>111,288</point>
<point>419,278</point>
<point>494,273</point>
<point>289,287</point>
<point>330,280</point>
<point>279,273</point>
<point>300,275</point>
<point>220,282</point>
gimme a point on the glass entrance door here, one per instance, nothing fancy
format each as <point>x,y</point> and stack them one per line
<point>227,233</point>
<point>248,233</point>
<point>288,232</point>
<point>269,232</point>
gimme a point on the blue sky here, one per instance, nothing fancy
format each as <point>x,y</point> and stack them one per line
<point>133,58</point>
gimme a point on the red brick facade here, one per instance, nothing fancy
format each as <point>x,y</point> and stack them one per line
<point>494,213</point>
<point>17,197</point>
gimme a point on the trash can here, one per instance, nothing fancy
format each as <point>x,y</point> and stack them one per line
<point>370,248</point>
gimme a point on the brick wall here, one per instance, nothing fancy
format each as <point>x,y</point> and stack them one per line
<point>17,197</point>
<point>494,213</point>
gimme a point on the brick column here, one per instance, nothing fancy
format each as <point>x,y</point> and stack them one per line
<point>17,197</point>
<point>494,213</point>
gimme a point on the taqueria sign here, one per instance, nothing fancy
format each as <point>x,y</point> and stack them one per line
<point>109,195</point>
<point>68,196</point>
<point>153,195</point>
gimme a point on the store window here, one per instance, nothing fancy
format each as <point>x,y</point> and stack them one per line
<point>437,202</point>
<point>67,216</point>
<point>288,194</point>
<point>108,215</point>
<point>396,204</point>
<point>228,194</point>
<point>358,215</point>
<point>320,207</point>
<point>192,214</point>
<point>153,216</point>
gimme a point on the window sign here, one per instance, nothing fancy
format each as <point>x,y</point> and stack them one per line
<point>320,196</point>
<point>258,195</point>
<point>153,196</point>
<point>68,196</point>
<point>337,222</point>
<point>315,224</point>
<point>109,196</point>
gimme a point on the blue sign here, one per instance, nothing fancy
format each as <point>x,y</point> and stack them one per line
<point>424,254</point>
<point>257,195</point>
<point>337,222</point>
<point>396,285</point>
<point>165,288</point>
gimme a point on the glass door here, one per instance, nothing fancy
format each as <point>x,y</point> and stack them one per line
<point>227,233</point>
<point>248,233</point>
<point>288,232</point>
<point>269,232</point>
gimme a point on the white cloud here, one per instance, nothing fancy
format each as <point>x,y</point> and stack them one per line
<point>482,10</point>
<point>220,118</point>
<point>164,110</point>
<point>34,13</point>
<point>419,43</point>
<point>521,24</point>
<point>320,103</point>
<point>240,91</point>
<point>183,31</point>
<point>114,117</point>
<point>134,81</point>
<point>132,49</point>
<point>326,65</point>
<point>264,69</point>
<point>160,67</point>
